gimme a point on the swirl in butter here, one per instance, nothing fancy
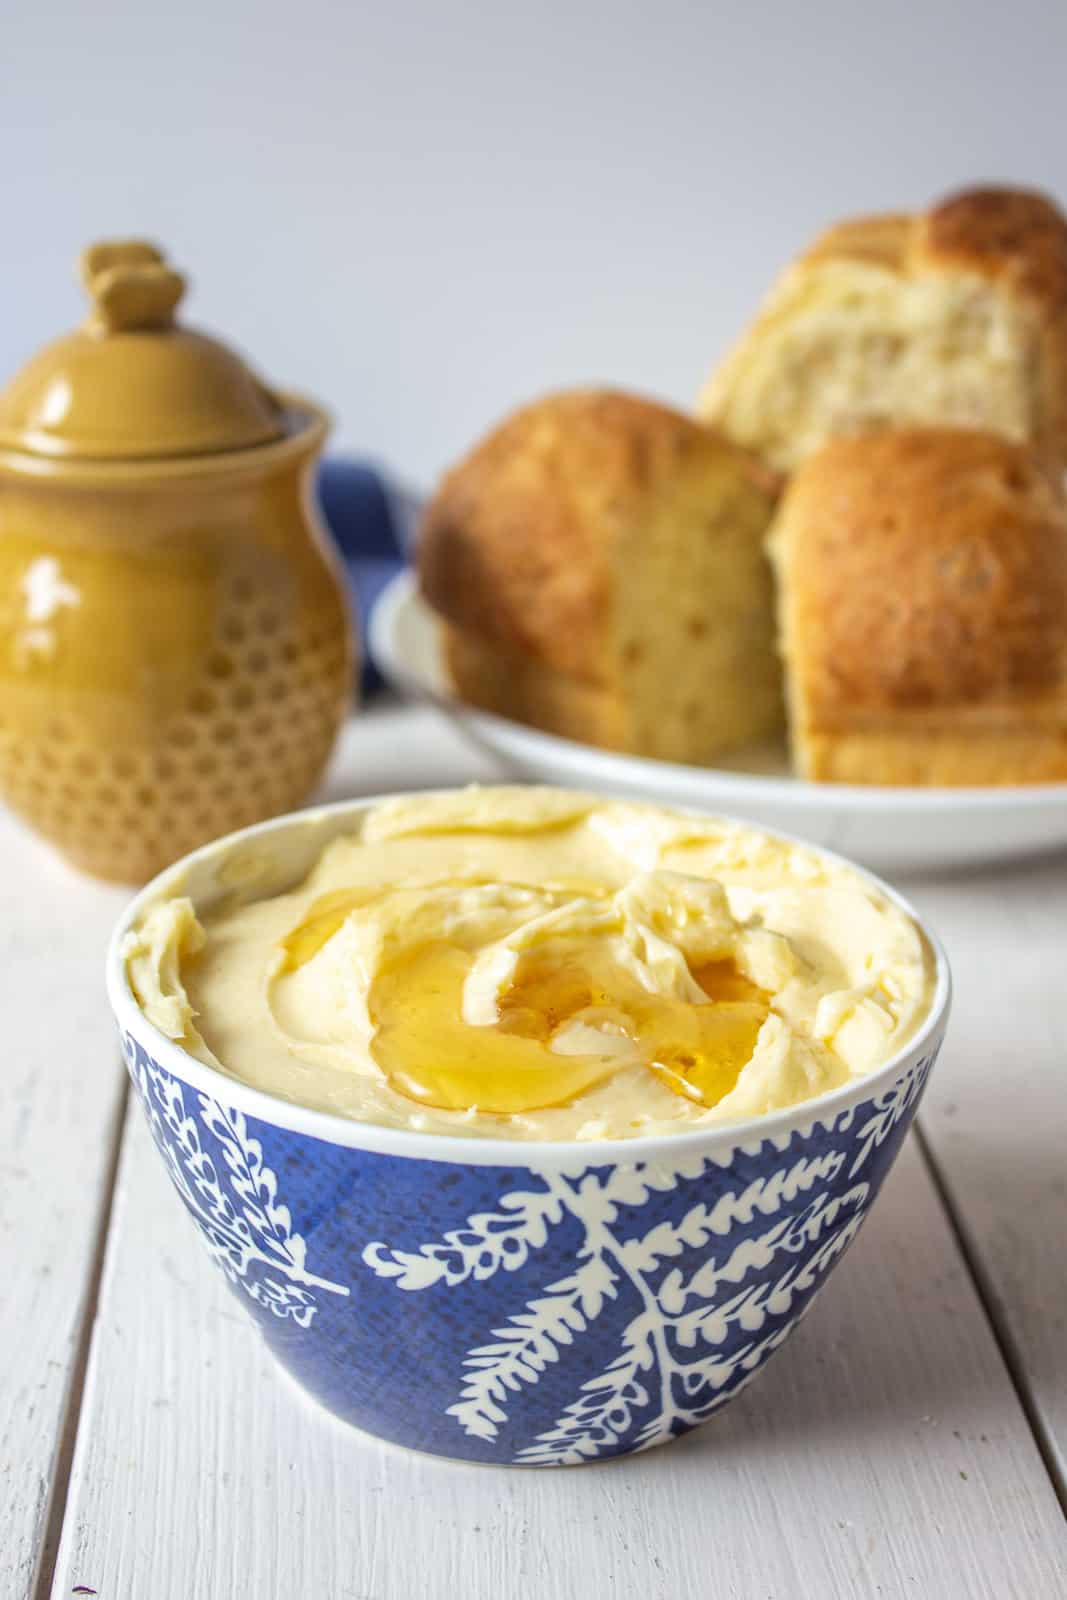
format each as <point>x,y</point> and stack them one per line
<point>535,964</point>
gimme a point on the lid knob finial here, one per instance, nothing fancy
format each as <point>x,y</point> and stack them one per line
<point>130,285</point>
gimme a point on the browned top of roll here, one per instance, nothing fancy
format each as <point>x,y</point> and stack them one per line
<point>518,544</point>
<point>922,569</point>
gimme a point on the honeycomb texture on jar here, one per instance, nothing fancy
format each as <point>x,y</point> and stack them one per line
<point>259,720</point>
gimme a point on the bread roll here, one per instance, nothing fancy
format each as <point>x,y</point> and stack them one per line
<point>956,317</point>
<point>923,603</point>
<point>598,562</point>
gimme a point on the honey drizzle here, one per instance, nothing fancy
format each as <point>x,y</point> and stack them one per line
<point>429,1054</point>
<point>325,917</point>
<point>329,912</point>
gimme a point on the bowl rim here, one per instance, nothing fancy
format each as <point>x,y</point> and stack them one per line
<point>550,1155</point>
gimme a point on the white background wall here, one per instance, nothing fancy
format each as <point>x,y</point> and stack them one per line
<point>423,213</point>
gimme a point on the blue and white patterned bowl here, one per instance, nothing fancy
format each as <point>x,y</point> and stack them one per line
<point>499,1301</point>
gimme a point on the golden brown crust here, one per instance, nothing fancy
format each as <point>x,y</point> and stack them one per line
<point>882,240</point>
<point>1015,236</point>
<point>923,588</point>
<point>1013,239</point>
<point>516,546</point>
<point>1017,239</point>
<point>1021,755</point>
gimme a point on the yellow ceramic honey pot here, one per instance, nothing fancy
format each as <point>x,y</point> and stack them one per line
<point>175,648</point>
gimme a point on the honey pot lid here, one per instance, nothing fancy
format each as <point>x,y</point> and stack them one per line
<point>131,383</point>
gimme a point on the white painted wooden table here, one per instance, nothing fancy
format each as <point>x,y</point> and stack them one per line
<point>910,1440</point>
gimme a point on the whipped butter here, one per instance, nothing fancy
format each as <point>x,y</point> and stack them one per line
<point>537,964</point>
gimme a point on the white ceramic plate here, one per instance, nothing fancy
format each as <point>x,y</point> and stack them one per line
<point>902,830</point>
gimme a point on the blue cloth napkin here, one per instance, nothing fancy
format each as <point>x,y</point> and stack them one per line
<point>373,523</point>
